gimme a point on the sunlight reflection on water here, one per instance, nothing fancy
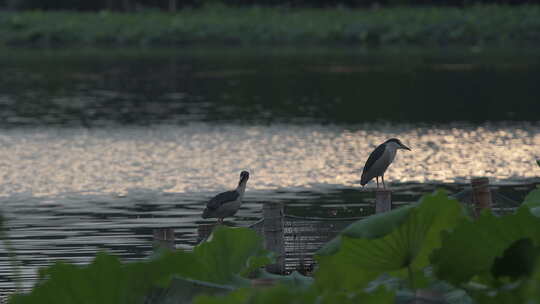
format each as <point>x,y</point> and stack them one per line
<point>201,157</point>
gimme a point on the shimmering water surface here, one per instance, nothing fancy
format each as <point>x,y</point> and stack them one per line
<point>98,148</point>
<point>199,157</point>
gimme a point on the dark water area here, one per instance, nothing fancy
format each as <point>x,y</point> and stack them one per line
<point>340,86</point>
<point>100,147</point>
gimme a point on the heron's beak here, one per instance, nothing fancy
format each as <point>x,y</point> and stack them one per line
<point>405,147</point>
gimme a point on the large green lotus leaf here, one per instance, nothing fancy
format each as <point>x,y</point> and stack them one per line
<point>518,260</point>
<point>219,260</point>
<point>295,279</point>
<point>535,211</point>
<point>182,291</point>
<point>532,290</point>
<point>505,295</point>
<point>169,264</point>
<point>372,227</point>
<point>256,262</point>
<point>532,199</point>
<point>405,249</point>
<point>299,285</point>
<point>228,251</point>
<point>378,296</point>
<point>106,280</point>
<point>526,290</point>
<point>405,295</point>
<point>284,293</point>
<point>103,281</point>
<point>472,247</point>
<point>277,294</point>
<point>236,297</point>
<point>509,293</point>
<point>225,254</point>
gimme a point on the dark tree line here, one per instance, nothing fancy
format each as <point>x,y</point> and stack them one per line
<point>173,5</point>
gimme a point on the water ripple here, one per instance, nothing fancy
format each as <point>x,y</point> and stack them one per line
<point>206,158</point>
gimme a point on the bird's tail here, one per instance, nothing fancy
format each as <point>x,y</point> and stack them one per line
<point>206,213</point>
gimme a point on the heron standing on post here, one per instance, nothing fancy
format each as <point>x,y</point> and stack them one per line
<point>227,203</point>
<point>379,160</point>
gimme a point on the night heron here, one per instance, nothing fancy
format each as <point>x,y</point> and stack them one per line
<point>227,203</point>
<point>379,160</point>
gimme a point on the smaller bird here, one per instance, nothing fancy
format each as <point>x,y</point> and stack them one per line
<point>227,203</point>
<point>379,160</point>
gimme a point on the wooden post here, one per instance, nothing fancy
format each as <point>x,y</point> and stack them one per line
<point>172,5</point>
<point>204,231</point>
<point>481,194</point>
<point>383,200</point>
<point>164,238</point>
<point>273,235</point>
<point>126,5</point>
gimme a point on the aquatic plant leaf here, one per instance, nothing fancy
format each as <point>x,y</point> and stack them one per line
<point>378,296</point>
<point>289,294</point>
<point>227,252</point>
<point>283,294</point>
<point>508,293</point>
<point>182,291</point>
<point>103,281</point>
<point>517,260</point>
<point>525,290</point>
<point>295,279</point>
<point>277,294</point>
<point>532,199</point>
<point>255,262</point>
<point>501,296</point>
<point>213,266</point>
<point>473,246</point>
<point>405,249</point>
<point>535,211</point>
<point>432,292</point>
<point>372,227</point>
<point>167,265</point>
<point>106,280</point>
<point>235,297</point>
<point>532,290</point>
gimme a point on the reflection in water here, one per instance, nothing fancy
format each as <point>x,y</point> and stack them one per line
<point>92,88</point>
<point>197,158</point>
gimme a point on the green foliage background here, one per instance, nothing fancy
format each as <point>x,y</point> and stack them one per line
<point>218,24</point>
<point>172,5</point>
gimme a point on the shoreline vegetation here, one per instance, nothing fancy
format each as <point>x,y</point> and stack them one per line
<point>483,26</point>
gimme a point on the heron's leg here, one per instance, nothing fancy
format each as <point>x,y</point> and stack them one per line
<point>384,186</point>
<point>377,178</point>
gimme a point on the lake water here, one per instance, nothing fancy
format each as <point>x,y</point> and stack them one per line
<point>97,148</point>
